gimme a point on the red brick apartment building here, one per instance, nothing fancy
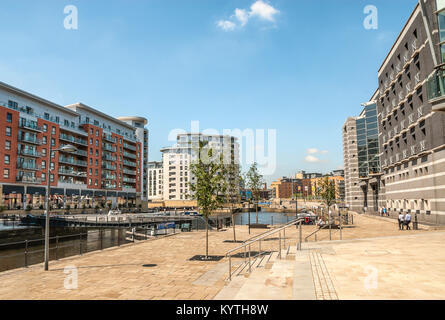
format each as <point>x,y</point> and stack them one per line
<point>108,166</point>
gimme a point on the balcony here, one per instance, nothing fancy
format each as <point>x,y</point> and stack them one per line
<point>29,153</point>
<point>79,152</point>
<point>72,173</point>
<point>107,157</point>
<point>73,140</point>
<point>28,179</point>
<point>129,155</point>
<point>129,163</point>
<point>30,139</point>
<point>436,90</point>
<point>129,147</point>
<point>107,176</point>
<point>129,172</point>
<point>108,186</point>
<point>28,166</point>
<point>106,166</point>
<point>108,147</point>
<point>29,125</point>
<point>129,180</point>
<point>73,161</point>
<point>109,138</point>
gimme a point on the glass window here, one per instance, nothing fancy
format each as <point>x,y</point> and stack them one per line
<point>7,145</point>
<point>6,173</point>
<point>7,159</point>
<point>8,131</point>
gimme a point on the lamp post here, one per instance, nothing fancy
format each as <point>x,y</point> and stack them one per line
<point>67,148</point>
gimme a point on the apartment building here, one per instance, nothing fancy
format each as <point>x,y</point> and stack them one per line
<point>412,131</point>
<point>287,188</point>
<point>176,161</point>
<point>107,166</point>
<point>411,135</point>
<point>155,181</point>
<point>141,133</point>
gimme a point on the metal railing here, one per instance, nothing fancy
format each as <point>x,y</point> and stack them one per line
<point>343,219</point>
<point>257,239</point>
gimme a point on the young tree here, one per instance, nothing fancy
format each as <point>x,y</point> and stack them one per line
<point>254,183</point>
<point>209,187</point>
<point>232,185</point>
<point>327,192</point>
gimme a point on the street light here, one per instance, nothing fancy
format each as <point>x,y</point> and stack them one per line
<point>67,148</point>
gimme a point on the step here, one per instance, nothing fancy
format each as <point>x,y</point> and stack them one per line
<point>231,289</point>
<point>272,258</point>
<point>264,260</point>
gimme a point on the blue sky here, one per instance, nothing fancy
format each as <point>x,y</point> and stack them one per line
<point>300,67</point>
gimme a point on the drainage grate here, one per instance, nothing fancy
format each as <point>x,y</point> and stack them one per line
<point>149,265</point>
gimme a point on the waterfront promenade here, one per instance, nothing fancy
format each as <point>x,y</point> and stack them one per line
<point>410,265</point>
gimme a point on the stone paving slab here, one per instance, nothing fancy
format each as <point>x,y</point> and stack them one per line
<point>118,273</point>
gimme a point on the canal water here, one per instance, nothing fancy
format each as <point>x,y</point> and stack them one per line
<point>264,217</point>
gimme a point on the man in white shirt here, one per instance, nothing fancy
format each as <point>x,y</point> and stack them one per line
<point>407,221</point>
<point>401,221</point>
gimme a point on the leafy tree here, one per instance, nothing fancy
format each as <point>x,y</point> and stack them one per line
<point>209,188</point>
<point>232,185</point>
<point>255,182</point>
<point>327,192</point>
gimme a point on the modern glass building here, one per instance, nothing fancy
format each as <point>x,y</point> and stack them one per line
<point>367,141</point>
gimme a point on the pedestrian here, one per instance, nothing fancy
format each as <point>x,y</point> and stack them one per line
<point>407,221</point>
<point>401,221</point>
<point>384,212</point>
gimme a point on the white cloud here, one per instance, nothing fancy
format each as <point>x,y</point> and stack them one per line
<point>311,159</point>
<point>226,25</point>
<point>312,151</point>
<point>324,152</point>
<point>242,16</point>
<point>259,9</point>
<point>263,10</point>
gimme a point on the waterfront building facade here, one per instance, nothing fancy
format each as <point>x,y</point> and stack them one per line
<point>106,168</point>
<point>141,133</point>
<point>411,124</point>
<point>155,181</point>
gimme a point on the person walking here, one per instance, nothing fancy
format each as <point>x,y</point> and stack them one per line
<point>407,221</point>
<point>401,221</point>
<point>385,212</point>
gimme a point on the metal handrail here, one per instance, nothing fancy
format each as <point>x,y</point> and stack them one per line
<point>248,243</point>
<point>259,235</point>
<point>316,231</point>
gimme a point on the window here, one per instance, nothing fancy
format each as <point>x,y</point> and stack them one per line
<point>53,142</point>
<point>43,164</point>
<point>8,131</point>
<point>43,176</point>
<point>6,173</point>
<point>44,140</point>
<point>45,128</point>
<point>66,123</point>
<point>7,159</point>
<point>9,117</point>
<point>13,105</point>
<point>44,152</point>
<point>52,166</point>
<point>7,145</point>
<point>53,130</point>
<point>51,177</point>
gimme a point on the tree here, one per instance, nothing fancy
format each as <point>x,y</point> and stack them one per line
<point>327,192</point>
<point>232,186</point>
<point>209,188</point>
<point>254,183</point>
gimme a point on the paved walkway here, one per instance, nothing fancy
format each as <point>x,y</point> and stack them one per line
<point>415,262</point>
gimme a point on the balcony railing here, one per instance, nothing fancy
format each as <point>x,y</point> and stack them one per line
<point>130,172</point>
<point>28,179</point>
<point>73,161</point>
<point>109,138</point>
<point>129,163</point>
<point>108,167</point>
<point>29,139</point>
<point>129,155</point>
<point>73,140</point>
<point>72,173</point>
<point>108,147</point>
<point>108,176</point>
<point>129,147</point>
<point>436,90</point>
<point>29,153</point>
<point>25,124</point>
<point>27,166</point>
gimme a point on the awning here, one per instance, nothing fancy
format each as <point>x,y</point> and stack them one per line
<point>57,191</point>
<point>72,192</point>
<point>38,191</point>
<point>7,189</point>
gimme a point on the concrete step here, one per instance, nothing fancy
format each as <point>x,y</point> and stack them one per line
<point>271,260</point>
<point>264,260</point>
<point>231,289</point>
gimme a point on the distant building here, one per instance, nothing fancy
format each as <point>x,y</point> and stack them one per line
<point>155,181</point>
